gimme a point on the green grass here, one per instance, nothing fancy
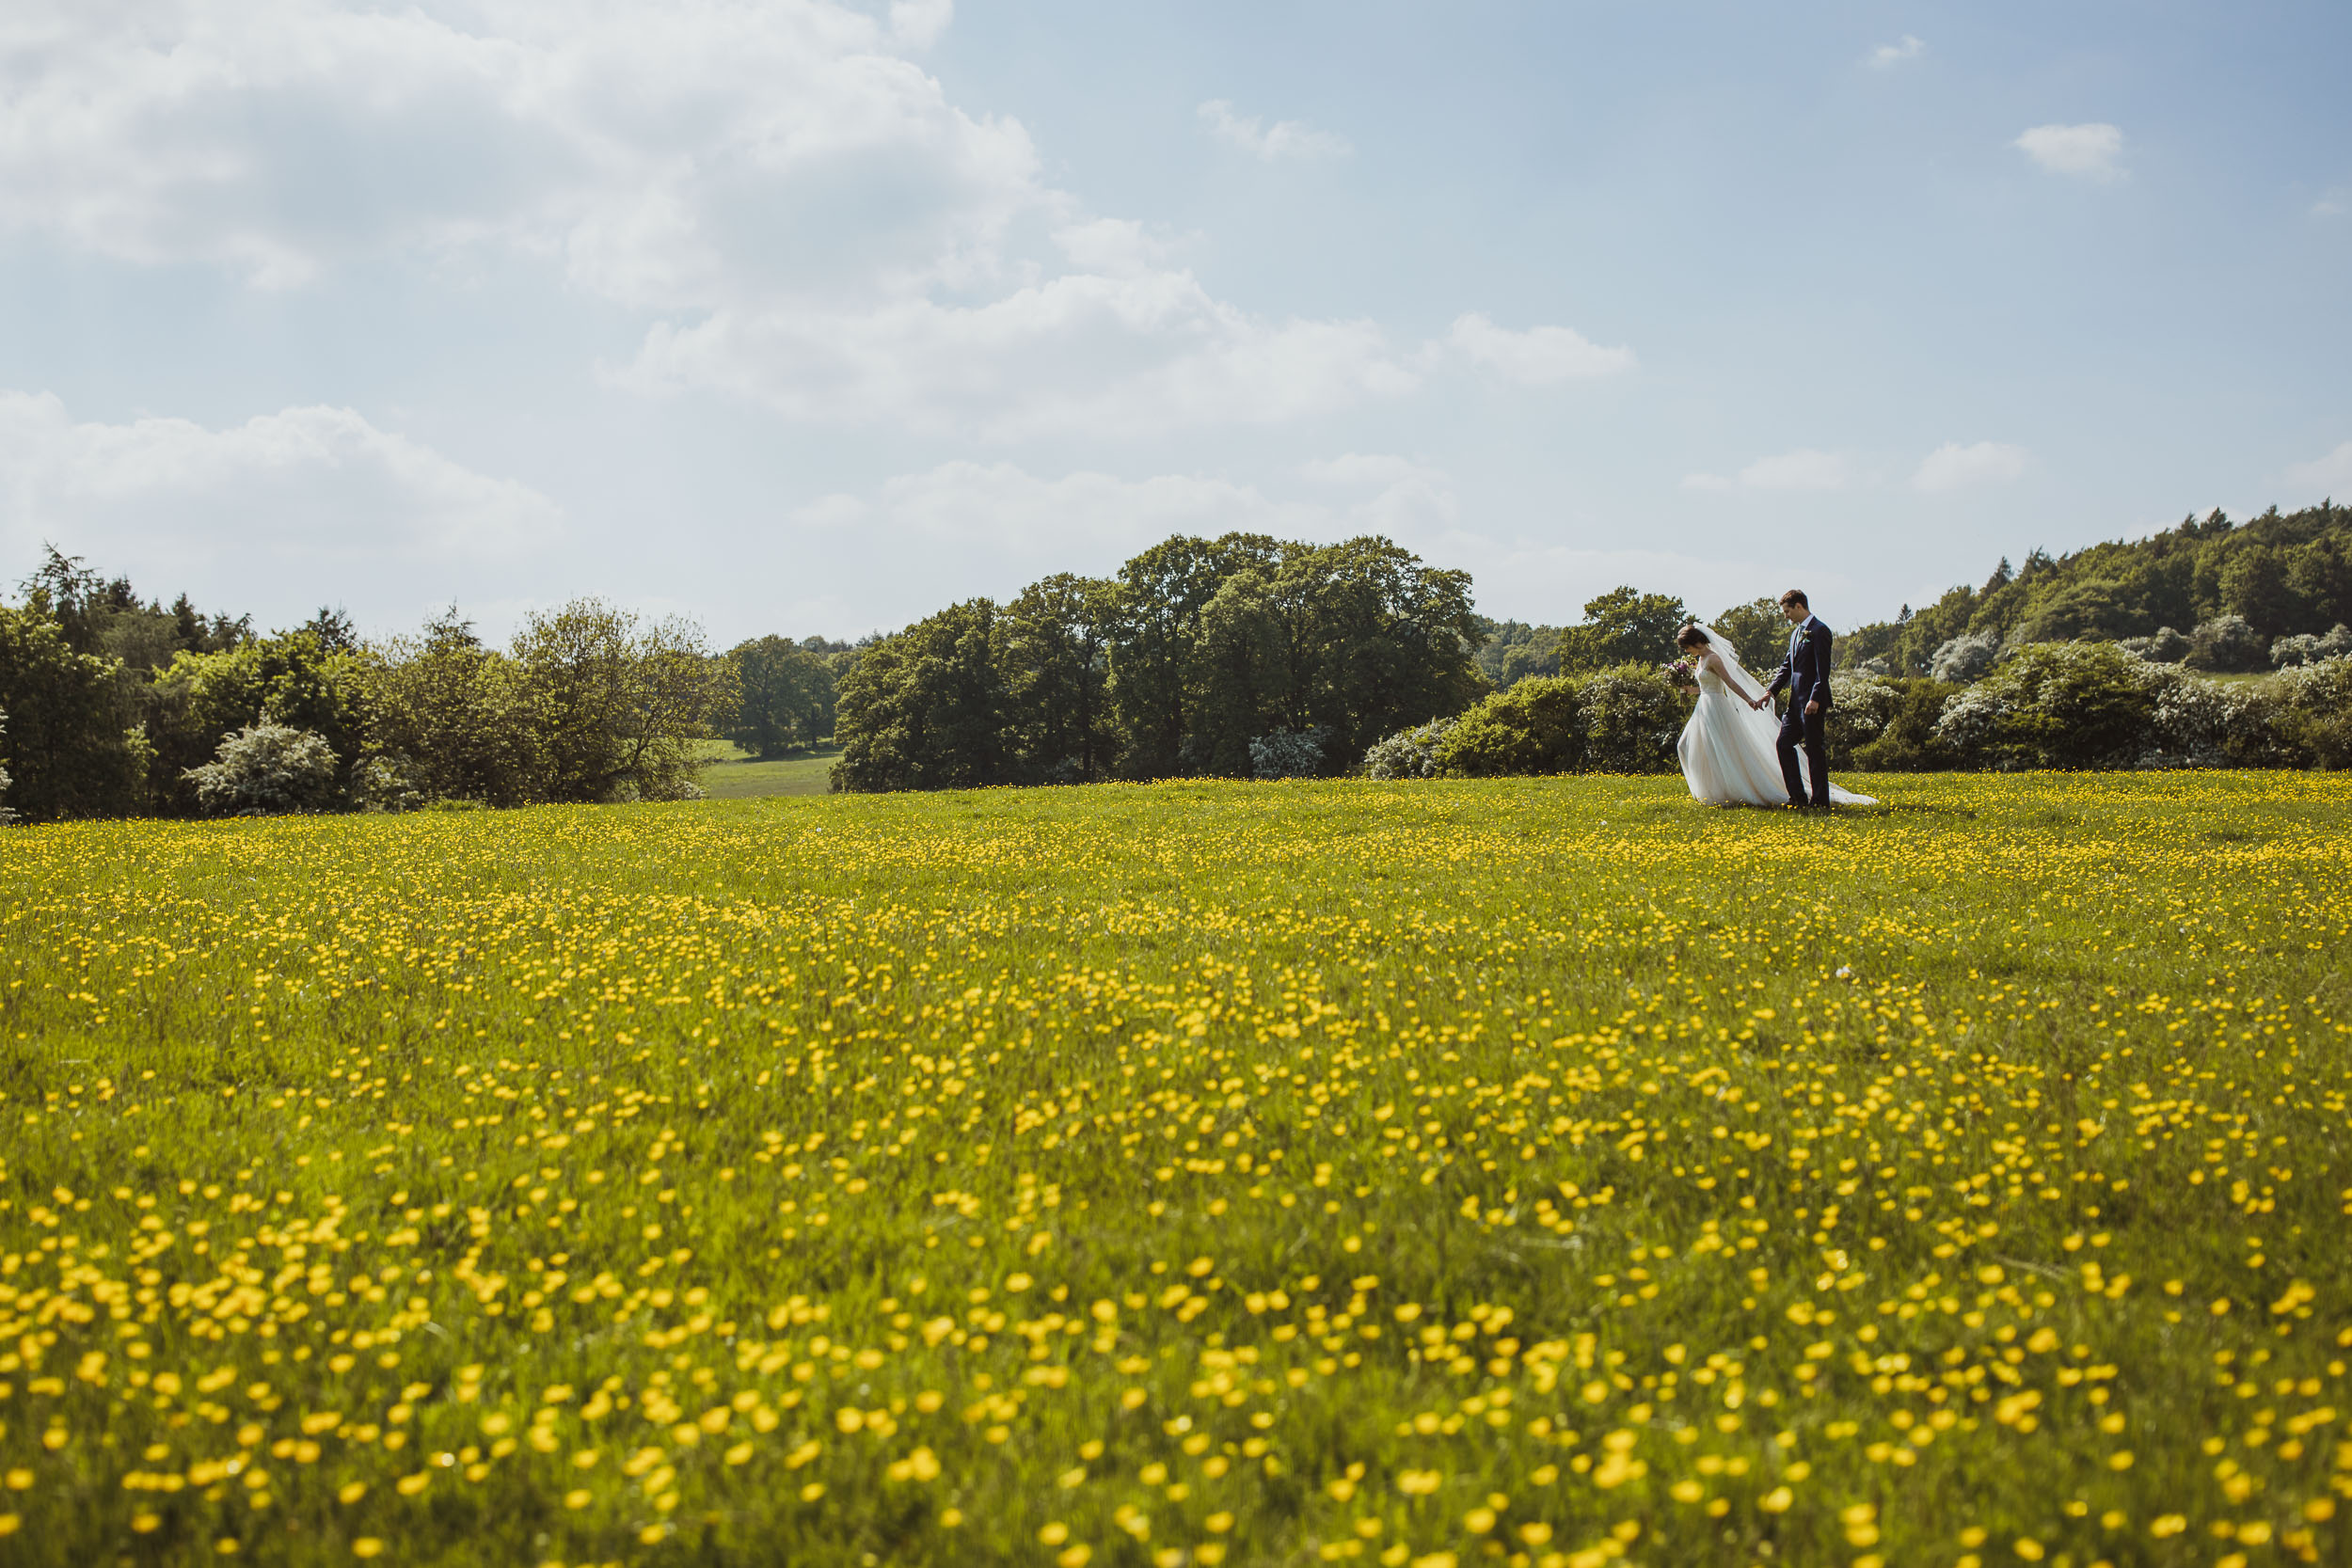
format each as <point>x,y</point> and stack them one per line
<point>1543,1171</point>
<point>734,774</point>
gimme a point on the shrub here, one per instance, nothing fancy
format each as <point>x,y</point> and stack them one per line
<point>6,816</point>
<point>2288,652</point>
<point>1965,657</point>
<point>2163,646</point>
<point>1408,754</point>
<point>2055,705</point>
<point>2316,711</point>
<point>1632,718</point>
<point>75,749</point>
<point>1908,742</point>
<point>2190,724</point>
<point>268,767</point>
<point>2226,645</point>
<point>1288,753</point>
<point>2203,723</point>
<point>1535,727</point>
<point>1859,711</point>
<point>385,784</point>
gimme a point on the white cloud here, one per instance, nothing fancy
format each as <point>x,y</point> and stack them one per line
<point>822,230</point>
<point>1091,521</point>
<point>1890,54</point>
<point>1537,355</point>
<point>1356,468</point>
<point>1080,353</point>
<point>2332,474</point>
<point>1118,247</point>
<point>807,219</point>
<point>1953,467</point>
<point>2090,152</point>
<point>1801,469</point>
<point>666,154</point>
<point>920,23</point>
<point>313,482</point>
<point>1287,138</point>
<point>2332,203</point>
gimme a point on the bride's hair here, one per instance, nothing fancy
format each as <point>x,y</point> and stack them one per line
<point>1691,637</point>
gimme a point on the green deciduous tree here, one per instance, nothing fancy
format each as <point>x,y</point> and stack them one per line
<point>1053,654</point>
<point>2320,575</point>
<point>2254,585</point>
<point>1622,626</point>
<point>1156,678</point>
<point>74,747</point>
<point>1378,641</point>
<point>1757,632</point>
<point>1507,652</point>
<point>615,704</point>
<point>784,698</point>
<point>448,719</point>
<point>1245,674</point>
<point>925,709</point>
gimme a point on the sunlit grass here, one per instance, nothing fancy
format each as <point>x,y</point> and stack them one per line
<point>1548,1172</point>
<point>734,774</point>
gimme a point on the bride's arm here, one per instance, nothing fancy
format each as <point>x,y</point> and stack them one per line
<point>1724,671</point>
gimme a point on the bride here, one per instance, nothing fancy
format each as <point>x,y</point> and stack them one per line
<point>1727,747</point>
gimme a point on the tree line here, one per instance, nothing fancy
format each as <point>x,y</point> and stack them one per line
<point>1241,656</point>
<point>117,707</point>
<point>1238,656</point>
<point>2218,593</point>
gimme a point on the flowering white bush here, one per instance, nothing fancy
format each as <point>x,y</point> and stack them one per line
<point>1288,753</point>
<point>2226,643</point>
<point>1965,659</point>
<point>268,767</point>
<point>2288,652</point>
<point>2191,726</point>
<point>1407,754</point>
<point>1860,708</point>
<point>2162,646</point>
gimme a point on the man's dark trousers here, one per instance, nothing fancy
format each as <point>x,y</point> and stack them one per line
<point>1800,728</point>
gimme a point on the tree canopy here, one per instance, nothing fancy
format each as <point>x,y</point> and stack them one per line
<point>1624,626</point>
<point>1196,650</point>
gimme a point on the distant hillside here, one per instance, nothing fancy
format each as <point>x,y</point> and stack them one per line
<point>2286,574</point>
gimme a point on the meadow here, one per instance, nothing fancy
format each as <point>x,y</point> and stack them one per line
<point>731,773</point>
<point>1542,1172</point>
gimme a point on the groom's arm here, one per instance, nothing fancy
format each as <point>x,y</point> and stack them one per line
<point>1819,642</point>
<point>1782,676</point>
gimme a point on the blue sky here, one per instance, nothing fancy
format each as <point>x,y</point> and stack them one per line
<point>811,317</point>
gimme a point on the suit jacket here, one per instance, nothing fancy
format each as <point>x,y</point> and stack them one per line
<point>1806,671</point>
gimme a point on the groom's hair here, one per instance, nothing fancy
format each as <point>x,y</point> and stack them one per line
<point>1796,596</point>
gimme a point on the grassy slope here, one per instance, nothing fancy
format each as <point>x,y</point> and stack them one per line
<point>735,775</point>
<point>1515,1170</point>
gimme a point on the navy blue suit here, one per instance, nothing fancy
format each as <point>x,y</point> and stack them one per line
<point>1805,673</point>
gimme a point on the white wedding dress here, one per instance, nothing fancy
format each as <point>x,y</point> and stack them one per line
<point>1728,749</point>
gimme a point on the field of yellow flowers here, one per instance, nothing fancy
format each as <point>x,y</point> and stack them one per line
<point>1542,1172</point>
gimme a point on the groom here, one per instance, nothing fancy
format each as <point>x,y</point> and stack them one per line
<point>1805,673</point>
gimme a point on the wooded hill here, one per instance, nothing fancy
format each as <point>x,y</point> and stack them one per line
<point>2286,574</point>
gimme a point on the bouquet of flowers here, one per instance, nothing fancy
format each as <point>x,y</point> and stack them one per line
<point>1683,671</point>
